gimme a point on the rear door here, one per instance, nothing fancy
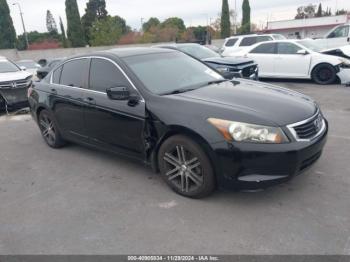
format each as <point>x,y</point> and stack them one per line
<point>288,63</point>
<point>110,123</point>
<point>264,55</point>
<point>68,81</point>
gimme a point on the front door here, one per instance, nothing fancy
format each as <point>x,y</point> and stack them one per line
<point>111,123</point>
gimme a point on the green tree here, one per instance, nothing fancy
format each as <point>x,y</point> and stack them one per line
<point>174,22</point>
<point>63,34</point>
<point>95,9</point>
<point>152,22</point>
<point>7,30</point>
<point>319,11</point>
<point>246,17</point>
<point>341,12</point>
<point>51,23</point>
<point>106,31</point>
<point>225,20</point>
<point>36,37</point>
<point>75,30</point>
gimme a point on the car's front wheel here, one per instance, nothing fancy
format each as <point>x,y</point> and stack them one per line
<point>49,130</point>
<point>324,74</point>
<point>185,167</point>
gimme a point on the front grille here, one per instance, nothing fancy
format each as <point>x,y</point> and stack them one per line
<point>311,160</point>
<point>311,128</point>
<point>248,71</point>
<point>14,84</point>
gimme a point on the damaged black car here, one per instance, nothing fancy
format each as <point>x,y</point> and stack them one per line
<point>182,118</point>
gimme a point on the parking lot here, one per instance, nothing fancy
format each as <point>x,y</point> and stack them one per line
<point>79,201</point>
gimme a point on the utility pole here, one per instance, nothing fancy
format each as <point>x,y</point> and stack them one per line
<point>235,14</point>
<point>141,25</point>
<point>24,28</point>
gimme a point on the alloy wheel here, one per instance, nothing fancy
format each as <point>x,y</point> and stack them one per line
<point>48,129</point>
<point>183,169</point>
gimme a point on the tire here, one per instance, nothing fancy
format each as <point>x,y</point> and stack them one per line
<point>324,74</point>
<point>2,104</point>
<point>49,131</point>
<point>185,167</point>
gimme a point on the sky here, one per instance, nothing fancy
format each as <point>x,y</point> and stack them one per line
<point>193,12</point>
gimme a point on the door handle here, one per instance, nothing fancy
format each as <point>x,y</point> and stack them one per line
<point>90,100</point>
<point>54,91</point>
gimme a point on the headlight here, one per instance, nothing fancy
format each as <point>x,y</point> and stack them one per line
<point>345,63</point>
<point>29,80</point>
<point>223,69</point>
<point>243,132</point>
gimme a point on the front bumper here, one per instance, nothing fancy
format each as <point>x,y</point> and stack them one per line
<point>15,97</point>
<point>247,166</point>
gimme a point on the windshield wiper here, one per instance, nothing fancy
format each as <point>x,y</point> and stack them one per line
<point>178,91</point>
<point>214,82</point>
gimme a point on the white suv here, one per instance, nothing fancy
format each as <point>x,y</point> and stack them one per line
<point>238,43</point>
<point>14,83</point>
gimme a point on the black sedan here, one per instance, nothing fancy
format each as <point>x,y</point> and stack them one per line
<point>198,129</point>
<point>229,67</point>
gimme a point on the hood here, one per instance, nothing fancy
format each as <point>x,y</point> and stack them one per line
<point>13,76</point>
<point>343,51</point>
<point>228,60</point>
<point>270,103</point>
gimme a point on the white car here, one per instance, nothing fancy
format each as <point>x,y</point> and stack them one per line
<point>14,84</point>
<point>29,66</point>
<point>242,42</point>
<point>297,59</point>
<point>339,36</point>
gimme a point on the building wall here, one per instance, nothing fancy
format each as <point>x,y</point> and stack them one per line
<point>35,55</point>
<point>306,28</point>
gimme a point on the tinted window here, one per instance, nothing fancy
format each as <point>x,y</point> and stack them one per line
<point>263,38</point>
<point>56,75</point>
<point>268,48</point>
<point>248,41</point>
<point>162,73</point>
<point>73,73</point>
<point>287,48</point>
<point>198,51</point>
<point>231,42</point>
<point>104,75</point>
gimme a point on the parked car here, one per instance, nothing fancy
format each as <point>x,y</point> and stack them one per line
<point>179,116</point>
<point>339,36</point>
<point>14,83</point>
<point>297,59</point>
<point>241,42</point>
<point>229,67</point>
<point>30,66</point>
<point>48,66</point>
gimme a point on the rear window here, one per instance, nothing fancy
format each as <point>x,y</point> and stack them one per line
<point>231,42</point>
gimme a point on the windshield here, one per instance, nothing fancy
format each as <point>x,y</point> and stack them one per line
<point>163,73</point>
<point>312,45</point>
<point>28,64</point>
<point>8,67</point>
<point>198,51</point>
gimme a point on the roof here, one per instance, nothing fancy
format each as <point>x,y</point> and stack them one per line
<point>134,51</point>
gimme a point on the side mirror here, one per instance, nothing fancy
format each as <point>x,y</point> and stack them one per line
<point>118,93</point>
<point>302,52</point>
<point>23,68</point>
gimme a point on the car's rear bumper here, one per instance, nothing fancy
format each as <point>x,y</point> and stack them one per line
<point>247,166</point>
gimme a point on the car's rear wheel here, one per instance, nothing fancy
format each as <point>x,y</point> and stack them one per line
<point>185,167</point>
<point>49,130</point>
<point>2,103</point>
<point>324,74</point>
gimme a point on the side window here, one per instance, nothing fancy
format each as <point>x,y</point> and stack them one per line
<point>231,42</point>
<point>248,41</point>
<point>342,31</point>
<point>267,48</point>
<point>73,73</point>
<point>104,75</point>
<point>56,75</point>
<point>287,48</point>
<point>264,38</point>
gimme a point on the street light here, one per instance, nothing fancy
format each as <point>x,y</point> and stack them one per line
<point>24,28</point>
